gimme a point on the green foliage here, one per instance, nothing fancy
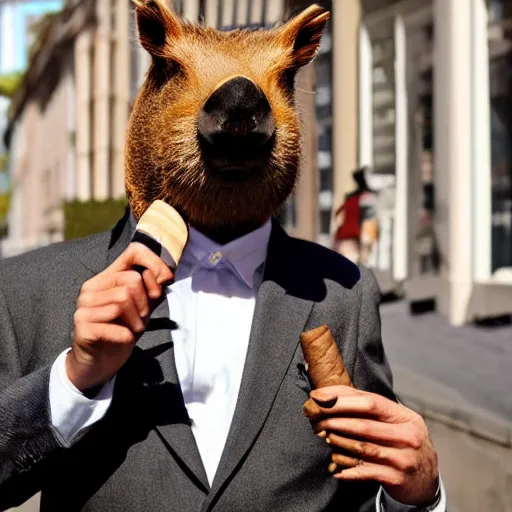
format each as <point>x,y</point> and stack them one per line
<point>4,160</point>
<point>5,198</point>
<point>9,83</point>
<point>90,217</point>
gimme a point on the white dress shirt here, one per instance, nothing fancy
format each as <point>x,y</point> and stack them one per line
<point>212,302</point>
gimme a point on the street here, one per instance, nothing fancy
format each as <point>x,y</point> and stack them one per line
<point>470,366</point>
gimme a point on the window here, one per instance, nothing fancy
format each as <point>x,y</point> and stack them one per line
<point>323,101</point>
<point>383,79</point>
<point>202,10</point>
<point>178,7</point>
<point>325,221</point>
<point>500,85</point>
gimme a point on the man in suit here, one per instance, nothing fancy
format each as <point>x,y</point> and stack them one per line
<point>128,391</point>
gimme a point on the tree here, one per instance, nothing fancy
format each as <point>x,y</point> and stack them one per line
<point>9,83</point>
<point>4,206</point>
<point>5,196</point>
<point>4,160</point>
<point>39,30</point>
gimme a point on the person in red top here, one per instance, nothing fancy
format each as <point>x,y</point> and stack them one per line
<point>350,239</point>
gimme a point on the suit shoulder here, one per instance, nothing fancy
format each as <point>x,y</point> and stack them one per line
<point>325,261</point>
<point>45,261</point>
<point>330,264</point>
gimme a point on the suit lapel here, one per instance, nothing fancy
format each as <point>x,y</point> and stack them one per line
<point>172,421</point>
<point>279,318</point>
<point>154,358</point>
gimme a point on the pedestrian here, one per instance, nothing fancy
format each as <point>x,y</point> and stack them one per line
<point>358,231</point>
<point>129,391</point>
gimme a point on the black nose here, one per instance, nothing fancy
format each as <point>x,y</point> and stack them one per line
<point>237,111</point>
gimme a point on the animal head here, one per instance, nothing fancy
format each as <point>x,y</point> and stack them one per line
<point>214,130</point>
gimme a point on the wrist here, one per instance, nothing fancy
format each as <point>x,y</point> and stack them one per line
<point>84,374</point>
<point>435,500</point>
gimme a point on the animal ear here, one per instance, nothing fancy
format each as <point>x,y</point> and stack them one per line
<point>158,26</point>
<point>303,34</point>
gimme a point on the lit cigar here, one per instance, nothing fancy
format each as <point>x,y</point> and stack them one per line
<point>162,229</point>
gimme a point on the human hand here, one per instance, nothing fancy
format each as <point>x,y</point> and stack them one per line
<point>112,312</point>
<point>374,438</point>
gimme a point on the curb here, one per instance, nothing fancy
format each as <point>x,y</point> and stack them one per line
<point>475,423</point>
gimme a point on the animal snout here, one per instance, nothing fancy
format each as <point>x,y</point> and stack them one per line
<point>237,112</point>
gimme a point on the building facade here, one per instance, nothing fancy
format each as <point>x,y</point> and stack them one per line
<point>418,94</point>
<point>68,123</point>
<point>434,128</point>
<point>16,18</point>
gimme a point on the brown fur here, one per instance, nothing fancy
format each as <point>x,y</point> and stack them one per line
<point>163,157</point>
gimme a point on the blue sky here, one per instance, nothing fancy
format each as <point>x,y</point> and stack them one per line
<point>13,31</point>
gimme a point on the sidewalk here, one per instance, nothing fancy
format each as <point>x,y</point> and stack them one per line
<point>460,380</point>
<point>461,367</point>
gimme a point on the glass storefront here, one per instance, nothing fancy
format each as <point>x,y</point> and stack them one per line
<point>400,46</point>
<point>383,133</point>
<point>323,101</point>
<point>424,254</point>
<point>500,86</point>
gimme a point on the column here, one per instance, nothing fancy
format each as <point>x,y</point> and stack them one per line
<point>452,97</point>
<point>402,200</point>
<point>101,95</point>
<point>481,146</point>
<point>346,17</point>
<point>242,12</point>
<point>365,99</point>
<point>70,166</point>
<point>121,92</point>
<point>275,11</point>
<point>256,7</point>
<point>212,8</point>
<point>228,11</point>
<point>306,194</point>
<point>191,10</point>
<point>83,80</point>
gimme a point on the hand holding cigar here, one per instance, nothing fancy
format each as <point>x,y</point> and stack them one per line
<point>373,438</point>
<point>325,368</point>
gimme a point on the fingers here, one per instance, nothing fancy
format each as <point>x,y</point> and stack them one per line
<point>340,401</point>
<point>328,392</point>
<point>126,312</point>
<point>130,289</point>
<point>136,255</point>
<point>366,471</point>
<point>139,254</point>
<point>312,410</point>
<point>342,461</point>
<point>398,458</point>
<point>154,290</point>
<point>108,333</point>
<point>369,430</point>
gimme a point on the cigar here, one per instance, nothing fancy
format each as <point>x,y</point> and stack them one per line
<point>325,368</point>
<point>162,229</point>
<point>325,364</point>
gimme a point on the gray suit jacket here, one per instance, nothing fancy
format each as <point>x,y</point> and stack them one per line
<point>142,456</point>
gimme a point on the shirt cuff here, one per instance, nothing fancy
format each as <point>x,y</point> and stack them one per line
<point>385,503</point>
<point>71,411</point>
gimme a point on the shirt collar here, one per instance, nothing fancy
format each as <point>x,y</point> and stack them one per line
<point>246,254</point>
